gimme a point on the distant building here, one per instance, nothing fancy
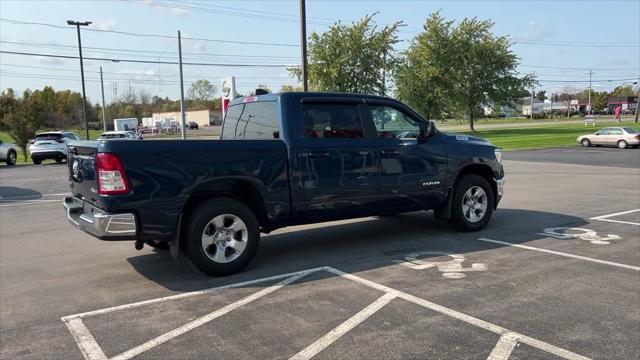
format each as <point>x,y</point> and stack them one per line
<point>200,117</point>
<point>627,103</point>
<point>546,106</point>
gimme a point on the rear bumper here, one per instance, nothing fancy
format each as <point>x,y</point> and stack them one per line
<point>96,222</point>
<point>48,154</point>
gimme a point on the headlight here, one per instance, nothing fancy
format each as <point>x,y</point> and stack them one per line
<point>498,155</point>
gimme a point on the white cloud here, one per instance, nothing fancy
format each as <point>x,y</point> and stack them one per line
<point>179,11</point>
<point>50,61</point>
<point>536,31</point>
<point>104,24</point>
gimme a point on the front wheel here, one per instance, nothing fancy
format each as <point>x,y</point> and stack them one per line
<point>473,203</point>
<point>222,237</point>
<point>585,142</point>
<point>37,161</point>
<point>11,158</point>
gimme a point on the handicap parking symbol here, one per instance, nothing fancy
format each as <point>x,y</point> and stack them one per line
<point>450,269</point>
<point>565,233</point>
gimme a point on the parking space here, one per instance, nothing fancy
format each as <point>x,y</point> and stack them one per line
<point>555,275</point>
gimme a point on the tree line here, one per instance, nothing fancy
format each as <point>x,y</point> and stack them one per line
<point>22,115</point>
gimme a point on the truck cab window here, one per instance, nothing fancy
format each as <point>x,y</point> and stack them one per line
<point>230,121</point>
<point>331,121</point>
<point>393,123</point>
<point>259,121</point>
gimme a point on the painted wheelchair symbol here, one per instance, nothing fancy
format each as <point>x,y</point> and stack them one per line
<point>451,269</point>
<point>564,233</point>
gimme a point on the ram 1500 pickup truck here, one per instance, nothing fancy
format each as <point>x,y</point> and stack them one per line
<point>282,159</point>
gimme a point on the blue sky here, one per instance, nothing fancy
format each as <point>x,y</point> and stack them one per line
<point>556,39</point>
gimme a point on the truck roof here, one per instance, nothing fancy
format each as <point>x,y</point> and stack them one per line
<point>275,96</point>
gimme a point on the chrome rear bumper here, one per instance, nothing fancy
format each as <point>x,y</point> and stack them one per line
<point>97,222</point>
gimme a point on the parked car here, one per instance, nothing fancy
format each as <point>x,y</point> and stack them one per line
<point>51,145</point>
<point>119,135</point>
<point>193,125</point>
<point>8,153</point>
<point>283,159</point>
<point>622,137</point>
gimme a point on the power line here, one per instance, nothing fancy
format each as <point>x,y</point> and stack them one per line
<point>136,74</point>
<point>18,22</point>
<point>41,44</point>
<point>578,68</point>
<point>147,61</point>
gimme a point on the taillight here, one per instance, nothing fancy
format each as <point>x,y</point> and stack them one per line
<point>112,179</point>
<point>638,136</point>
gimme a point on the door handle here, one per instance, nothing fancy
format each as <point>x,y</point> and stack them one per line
<point>315,155</point>
<point>390,152</point>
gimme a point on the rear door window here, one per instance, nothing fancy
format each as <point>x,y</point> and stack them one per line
<point>231,119</point>
<point>326,120</point>
<point>259,120</point>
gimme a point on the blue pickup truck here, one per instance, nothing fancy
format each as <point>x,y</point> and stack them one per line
<point>282,159</point>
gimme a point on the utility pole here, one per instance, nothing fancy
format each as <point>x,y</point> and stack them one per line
<point>589,108</point>
<point>303,34</point>
<point>182,120</point>
<point>531,112</point>
<point>77,24</point>
<point>104,119</point>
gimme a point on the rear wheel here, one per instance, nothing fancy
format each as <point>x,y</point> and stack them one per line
<point>37,161</point>
<point>473,203</point>
<point>11,158</point>
<point>59,160</point>
<point>222,237</point>
<point>622,144</point>
<point>585,142</point>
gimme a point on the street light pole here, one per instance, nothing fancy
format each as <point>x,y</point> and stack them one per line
<point>182,119</point>
<point>77,24</point>
<point>104,119</point>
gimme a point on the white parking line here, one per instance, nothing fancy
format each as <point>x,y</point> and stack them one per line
<point>335,334</point>
<point>28,202</point>
<point>86,342</point>
<point>504,347</point>
<point>606,217</point>
<point>611,263</point>
<point>91,350</point>
<point>205,319</point>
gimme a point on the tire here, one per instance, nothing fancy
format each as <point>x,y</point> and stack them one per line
<point>158,245</point>
<point>59,160</point>
<point>212,222</point>
<point>585,142</point>
<point>622,144</point>
<point>12,157</point>
<point>470,218</point>
<point>37,161</point>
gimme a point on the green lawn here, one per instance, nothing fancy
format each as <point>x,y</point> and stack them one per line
<point>547,136</point>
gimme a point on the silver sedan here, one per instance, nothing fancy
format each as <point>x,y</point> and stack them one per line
<point>622,137</point>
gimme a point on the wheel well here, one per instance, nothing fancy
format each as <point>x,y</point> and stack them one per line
<point>480,170</point>
<point>243,191</point>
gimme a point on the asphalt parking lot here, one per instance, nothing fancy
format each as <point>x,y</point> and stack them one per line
<point>555,275</point>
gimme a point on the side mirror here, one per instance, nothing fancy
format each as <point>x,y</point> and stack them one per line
<point>427,129</point>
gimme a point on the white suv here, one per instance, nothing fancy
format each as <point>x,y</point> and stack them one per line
<point>51,145</point>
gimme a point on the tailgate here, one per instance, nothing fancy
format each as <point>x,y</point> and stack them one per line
<point>83,169</point>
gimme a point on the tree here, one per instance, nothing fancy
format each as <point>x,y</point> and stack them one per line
<point>423,74</point>
<point>201,90</point>
<point>290,88</point>
<point>355,59</point>
<point>541,95</point>
<point>27,116</point>
<point>623,90</point>
<point>600,100</point>
<point>459,69</point>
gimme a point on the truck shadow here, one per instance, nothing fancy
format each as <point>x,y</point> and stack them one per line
<point>10,194</point>
<point>355,246</point>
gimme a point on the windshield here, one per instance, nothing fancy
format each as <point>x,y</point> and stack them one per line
<point>112,136</point>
